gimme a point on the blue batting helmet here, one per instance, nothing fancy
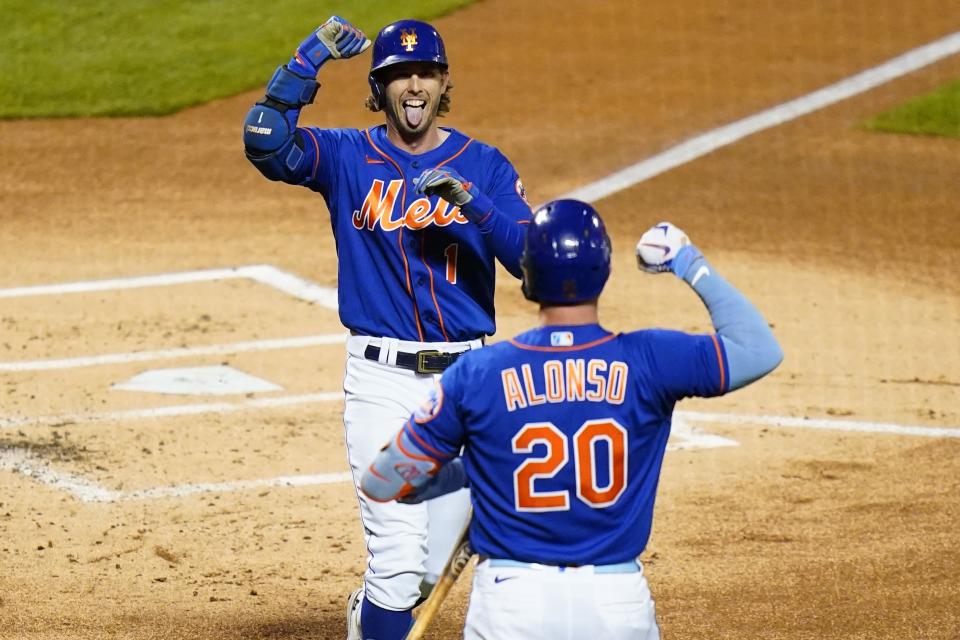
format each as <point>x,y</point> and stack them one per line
<point>404,41</point>
<point>566,257</point>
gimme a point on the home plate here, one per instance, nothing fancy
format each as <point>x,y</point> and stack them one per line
<point>197,381</point>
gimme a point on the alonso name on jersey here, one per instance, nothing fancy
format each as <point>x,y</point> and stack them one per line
<point>572,380</point>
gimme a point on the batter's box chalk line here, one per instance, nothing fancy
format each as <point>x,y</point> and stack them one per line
<point>265,274</point>
<point>19,460</point>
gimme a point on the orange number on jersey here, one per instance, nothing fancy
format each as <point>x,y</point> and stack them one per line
<point>584,443</point>
<point>526,498</point>
<point>451,253</point>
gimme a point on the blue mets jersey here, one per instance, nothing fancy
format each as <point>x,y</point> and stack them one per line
<point>410,266</point>
<point>564,430</point>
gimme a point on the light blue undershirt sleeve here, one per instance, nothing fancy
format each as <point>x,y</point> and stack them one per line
<point>751,348</point>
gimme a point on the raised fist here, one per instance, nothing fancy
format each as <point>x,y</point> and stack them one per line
<point>341,38</point>
<point>335,38</point>
<point>665,247</point>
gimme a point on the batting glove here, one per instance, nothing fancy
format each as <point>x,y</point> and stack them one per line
<point>665,247</point>
<point>335,38</point>
<point>448,184</point>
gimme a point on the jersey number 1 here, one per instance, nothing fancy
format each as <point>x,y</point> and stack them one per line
<point>451,254</point>
<point>527,498</point>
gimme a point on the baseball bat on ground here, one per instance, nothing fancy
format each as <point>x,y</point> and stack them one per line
<point>462,552</point>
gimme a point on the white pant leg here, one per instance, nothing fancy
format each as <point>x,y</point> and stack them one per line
<point>379,399</point>
<point>447,515</point>
<point>376,405</point>
<point>549,604</point>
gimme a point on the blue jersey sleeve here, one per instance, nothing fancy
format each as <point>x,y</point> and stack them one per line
<point>508,192</point>
<point>501,212</point>
<point>324,150</point>
<point>508,226</point>
<point>680,364</point>
<point>437,426</point>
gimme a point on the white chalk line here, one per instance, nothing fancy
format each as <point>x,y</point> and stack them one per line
<point>292,285</point>
<point>20,461</point>
<point>262,273</point>
<point>171,411</point>
<point>179,352</point>
<point>115,284</point>
<point>177,491</point>
<point>706,143</point>
<point>332,396</point>
<point>822,423</point>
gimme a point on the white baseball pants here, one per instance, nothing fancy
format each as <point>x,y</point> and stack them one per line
<point>541,601</point>
<point>404,542</point>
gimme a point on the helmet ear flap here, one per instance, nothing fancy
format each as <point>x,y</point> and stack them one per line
<point>526,288</point>
<point>379,92</point>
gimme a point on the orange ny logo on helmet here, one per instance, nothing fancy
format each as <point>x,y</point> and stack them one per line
<point>408,39</point>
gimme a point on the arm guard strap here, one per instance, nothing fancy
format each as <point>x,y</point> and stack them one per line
<point>291,89</point>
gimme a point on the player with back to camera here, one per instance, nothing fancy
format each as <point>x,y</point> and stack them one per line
<point>419,213</point>
<point>563,430</point>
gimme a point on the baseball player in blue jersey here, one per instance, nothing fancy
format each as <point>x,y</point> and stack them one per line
<point>419,214</point>
<point>563,431</point>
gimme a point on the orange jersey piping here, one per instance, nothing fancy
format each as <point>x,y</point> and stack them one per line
<point>433,294</point>
<point>425,458</point>
<point>723,379</point>
<point>316,155</point>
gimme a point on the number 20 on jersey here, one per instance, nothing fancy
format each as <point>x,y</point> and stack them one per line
<point>584,445</point>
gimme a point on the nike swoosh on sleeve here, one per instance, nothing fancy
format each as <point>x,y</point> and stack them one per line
<point>702,271</point>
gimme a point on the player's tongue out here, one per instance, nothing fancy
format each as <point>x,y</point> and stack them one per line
<point>413,109</point>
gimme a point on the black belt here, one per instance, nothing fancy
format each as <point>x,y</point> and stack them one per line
<point>429,361</point>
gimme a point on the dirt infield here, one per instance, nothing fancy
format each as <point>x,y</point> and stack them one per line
<point>124,514</point>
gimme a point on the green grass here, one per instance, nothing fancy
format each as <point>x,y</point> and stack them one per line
<point>936,113</point>
<point>154,57</point>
